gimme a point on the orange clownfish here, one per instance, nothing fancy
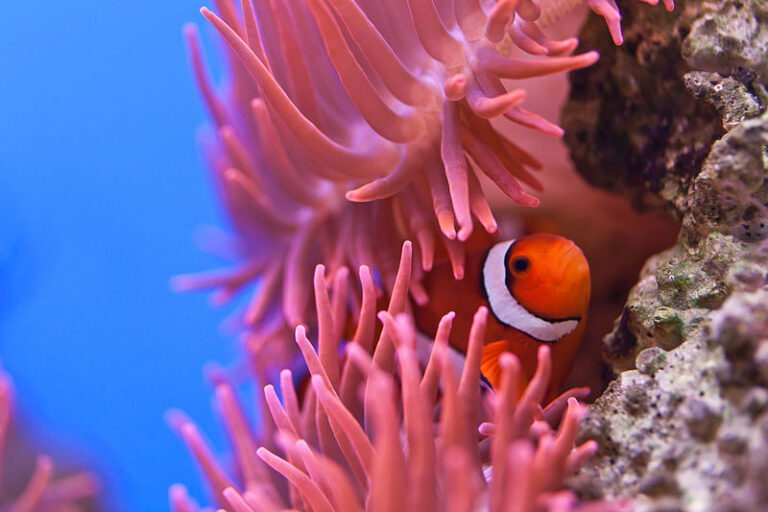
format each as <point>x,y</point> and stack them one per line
<point>537,289</point>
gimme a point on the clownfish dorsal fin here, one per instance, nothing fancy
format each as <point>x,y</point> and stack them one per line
<point>489,362</point>
<point>505,306</point>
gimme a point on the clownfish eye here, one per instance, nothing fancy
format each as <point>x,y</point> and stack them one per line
<point>521,264</point>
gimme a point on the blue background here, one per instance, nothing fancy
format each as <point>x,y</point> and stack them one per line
<point>101,190</point>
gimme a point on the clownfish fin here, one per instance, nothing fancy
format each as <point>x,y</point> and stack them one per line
<point>489,362</point>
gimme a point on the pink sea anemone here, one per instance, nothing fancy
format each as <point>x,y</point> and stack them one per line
<point>43,492</point>
<point>395,427</point>
<point>352,125</point>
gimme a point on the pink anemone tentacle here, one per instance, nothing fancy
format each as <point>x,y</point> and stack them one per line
<point>349,126</point>
<point>429,420</point>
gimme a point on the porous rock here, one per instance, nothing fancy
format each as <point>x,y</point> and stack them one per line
<point>684,426</point>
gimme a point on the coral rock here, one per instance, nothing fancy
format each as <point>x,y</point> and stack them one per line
<point>683,427</point>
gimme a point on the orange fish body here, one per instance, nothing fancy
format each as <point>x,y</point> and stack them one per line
<point>537,290</point>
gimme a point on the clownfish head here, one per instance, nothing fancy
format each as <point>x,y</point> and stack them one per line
<point>539,285</point>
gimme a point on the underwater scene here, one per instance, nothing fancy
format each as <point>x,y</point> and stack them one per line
<point>384,256</point>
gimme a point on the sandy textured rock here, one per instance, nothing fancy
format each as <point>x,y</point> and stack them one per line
<point>686,430</point>
<point>685,424</point>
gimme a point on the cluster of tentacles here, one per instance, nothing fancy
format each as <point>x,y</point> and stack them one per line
<point>42,493</point>
<point>388,426</point>
<point>352,125</point>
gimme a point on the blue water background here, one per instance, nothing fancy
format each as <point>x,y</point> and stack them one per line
<point>101,190</point>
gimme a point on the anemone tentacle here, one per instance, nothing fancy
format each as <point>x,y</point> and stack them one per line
<point>352,125</point>
<point>376,450</point>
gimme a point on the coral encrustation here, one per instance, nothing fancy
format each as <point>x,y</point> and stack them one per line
<point>685,425</point>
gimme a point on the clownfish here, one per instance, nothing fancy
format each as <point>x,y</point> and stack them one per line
<point>537,290</point>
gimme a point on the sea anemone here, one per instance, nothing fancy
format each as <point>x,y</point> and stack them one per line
<point>43,492</point>
<point>396,427</point>
<point>348,121</point>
